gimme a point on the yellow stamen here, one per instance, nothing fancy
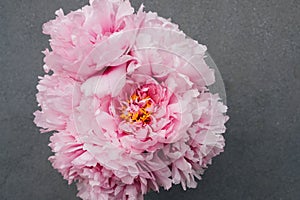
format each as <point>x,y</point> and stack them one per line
<point>142,115</point>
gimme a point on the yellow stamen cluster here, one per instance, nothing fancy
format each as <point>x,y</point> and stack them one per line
<point>142,114</point>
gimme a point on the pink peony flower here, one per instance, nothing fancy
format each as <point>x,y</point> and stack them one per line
<point>129,101</point>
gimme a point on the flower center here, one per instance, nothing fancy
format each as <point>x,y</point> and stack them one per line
<point>138,108</point>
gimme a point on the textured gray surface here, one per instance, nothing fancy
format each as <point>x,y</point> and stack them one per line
<point>256,45</point>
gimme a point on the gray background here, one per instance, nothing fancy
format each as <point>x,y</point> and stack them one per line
<point>256,45</point>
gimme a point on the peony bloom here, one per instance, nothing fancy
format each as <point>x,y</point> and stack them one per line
<point>130,102</point>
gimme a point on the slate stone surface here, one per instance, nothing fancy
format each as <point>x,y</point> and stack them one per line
<point>256,45</point>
